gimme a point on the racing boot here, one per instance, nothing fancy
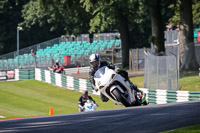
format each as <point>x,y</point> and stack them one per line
<point>134,87</point>
<point>138,92</point>
<point>103,98</point>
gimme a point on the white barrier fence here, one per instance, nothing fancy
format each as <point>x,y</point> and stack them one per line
<point>68,82</point>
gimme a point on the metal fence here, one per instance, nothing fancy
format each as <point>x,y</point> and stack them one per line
<point>137,59</point>
<point>34,47</point>
<point>171,37</point>
<point>106,36</point>
<point>69,38</point>
<point>161,72</point>
<point>25,60</point>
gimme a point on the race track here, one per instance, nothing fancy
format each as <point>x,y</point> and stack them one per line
<point>146,119</point>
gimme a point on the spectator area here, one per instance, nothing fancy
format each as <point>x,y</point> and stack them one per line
<point>74,49</point>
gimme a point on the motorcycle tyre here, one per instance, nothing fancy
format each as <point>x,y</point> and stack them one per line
<point>121,98</point>
<point>145,103</point>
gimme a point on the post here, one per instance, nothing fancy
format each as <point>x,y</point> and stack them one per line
<point>178,63</point>
<point>130,60</point>
<point>137,52</point>
<point>113,55</point>
<point>17,41</point>
<point>18,29</point>
<point>199,72</point>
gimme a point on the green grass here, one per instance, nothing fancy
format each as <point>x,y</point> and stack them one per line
<point>34,98</point>
<point>139,81</point>
<point>189,129</point>
<point>188,82</point>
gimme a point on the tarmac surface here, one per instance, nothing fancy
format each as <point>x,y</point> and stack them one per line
<point>85,75</point>
<point>144,119</point>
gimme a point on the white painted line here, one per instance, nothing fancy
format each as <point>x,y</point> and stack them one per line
<point>2,116</point>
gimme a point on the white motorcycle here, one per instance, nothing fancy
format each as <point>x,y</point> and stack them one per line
<point>89,106</point>
<point>114,87</point>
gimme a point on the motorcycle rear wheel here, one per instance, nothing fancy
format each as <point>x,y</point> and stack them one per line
<point>121,98</point>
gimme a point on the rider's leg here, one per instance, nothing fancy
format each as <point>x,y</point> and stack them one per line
<point>125,75</point>
<point>80,108</point>
<point>133,86</point>
<point>103,98</point>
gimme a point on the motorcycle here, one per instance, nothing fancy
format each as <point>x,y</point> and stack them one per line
<point>53,69</point>
<point>114,87</point>
<point>89,106</point>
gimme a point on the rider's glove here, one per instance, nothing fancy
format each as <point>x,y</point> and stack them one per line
<point>95,88</point>
<point>117,70</point>
<point>82,107</point>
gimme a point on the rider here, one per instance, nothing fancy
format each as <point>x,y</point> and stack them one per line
<point>82,99</point>
<point>96,64</point>
<point>58,67</point>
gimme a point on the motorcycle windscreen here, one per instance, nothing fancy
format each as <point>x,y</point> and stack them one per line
<point>99,73</point>
<point>103,76</point>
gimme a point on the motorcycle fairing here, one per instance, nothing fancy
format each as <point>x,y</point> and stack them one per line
<point>105,79</point>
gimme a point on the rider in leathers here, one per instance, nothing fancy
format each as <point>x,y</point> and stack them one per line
<point>96,64</point>
<point>82,99</point>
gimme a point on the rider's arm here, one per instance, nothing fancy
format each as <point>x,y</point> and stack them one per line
<point>108,64</point>
<point>80,102</point>
<point>91,99</point>
<point>91,78</point>
<point>111,66</point>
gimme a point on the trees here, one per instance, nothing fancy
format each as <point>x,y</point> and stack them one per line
<point>187,51</point>
<point>175,19</point>
<point>11,16</point>
<point>157,26</point>
<point>67,15</point>
<point>110,12</point>
<point>126,16</point>
<point>184,12</point>
<point>196,13</point>
<point>130,18</point>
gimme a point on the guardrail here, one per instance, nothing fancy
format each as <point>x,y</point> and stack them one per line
<point>68,82</point>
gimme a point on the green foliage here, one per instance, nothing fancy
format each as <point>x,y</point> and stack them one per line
<point>106,18</point>
<point>31,14</point>
<point>66,14</point>
<point>175,19</point>
<point>196,13</point>
<point>10,16</point>
<point>105,13</point>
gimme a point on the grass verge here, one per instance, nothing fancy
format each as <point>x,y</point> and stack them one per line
<point>188,82</point>
<point>34,98</point>
<point>189,129</point>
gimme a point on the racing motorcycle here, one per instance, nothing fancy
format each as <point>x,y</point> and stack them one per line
<point>53,69</point>
<point>114,87</point>
<point>89,106</point>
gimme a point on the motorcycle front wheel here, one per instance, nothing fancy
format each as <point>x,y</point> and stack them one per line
<point>120,98</point>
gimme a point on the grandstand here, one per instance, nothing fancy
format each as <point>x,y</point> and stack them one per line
<point>73,51</point>
<point>67,49</point>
